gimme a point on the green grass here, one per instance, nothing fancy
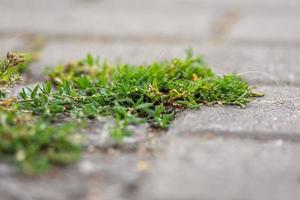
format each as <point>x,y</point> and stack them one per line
<point>31,142</point>
<point>151,93</point>
<point>10,67</point>
<point>35,145</point>
<point>132,94</point>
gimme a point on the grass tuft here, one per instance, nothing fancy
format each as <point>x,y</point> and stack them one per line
<point>133,94</point>
<point>31,136</point>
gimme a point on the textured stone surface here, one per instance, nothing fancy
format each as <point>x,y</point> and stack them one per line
<point>14,43</point>
<point>96,18</point>
<point>277,115</point>
<point>266,64</point>
<point>192,5</point>
<point>194,168</point>
<point>259,64</point>
<point>112,175</point>
<point>61,52</point>
<point>283,28</point>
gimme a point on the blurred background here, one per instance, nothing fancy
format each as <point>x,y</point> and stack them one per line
<point>258,38</point>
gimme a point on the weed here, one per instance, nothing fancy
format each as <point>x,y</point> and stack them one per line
<point>31,136</point>
<point>134,94</point>
<point>30,141</point>
<point>33,144</point>
<point>10,68</point>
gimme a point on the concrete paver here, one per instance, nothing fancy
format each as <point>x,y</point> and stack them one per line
<point>195,168</point>
<point>271,65</point>
<point>277,115</point>
<point>282,29</point>
<point>95,175</point>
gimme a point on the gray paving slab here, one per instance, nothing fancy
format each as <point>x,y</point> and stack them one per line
<point>265,64</point>
<point>277,115</point>
<point>193,20</point>
<point>136,53</point>
<point>98,175</point>
<point>283,28</point>
<point>13,43</point>
<point>194,168</point>
<point>257,63</point>
<point>192,5</point>
<point>99,19</point>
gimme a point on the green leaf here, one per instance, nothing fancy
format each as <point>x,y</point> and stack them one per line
<point>89,59</point>
<point>23,94</point>
<point>48,87</point>
<point>68,87</point>
<point>34,92</point>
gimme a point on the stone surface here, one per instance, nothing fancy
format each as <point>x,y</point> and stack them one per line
<point>277,28</point>
<point>13,43</point>
<point>191,5</point>
<point>265,64</point>
<point>136,53</point>
<point>108,175</point>
<point>96,18</point>
<point>195,168</point>
<point>277,115</point>
<point>259,64</point>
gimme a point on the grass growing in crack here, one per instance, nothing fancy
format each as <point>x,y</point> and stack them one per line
<point>30,141</point>
<point>151,93</point>
<point>31,136</point>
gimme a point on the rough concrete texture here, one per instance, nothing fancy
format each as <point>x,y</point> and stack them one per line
<point>264,64</point>
<point>99,19</point>
<point>271,65</point>
<point>228,169</point>
<point>277,115</point>
<point>13,43</point>
<point>266,29</point>
<point>99,175</point>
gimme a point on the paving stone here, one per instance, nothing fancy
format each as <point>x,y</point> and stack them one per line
<point>249,7</point>
<point>278,28</point>
<point>277,115</point>
<point>98,19</point>
<point>132,19</point>
<point>136,53</point>
<point>17,188</point>
<point>259,64</point>
<point>144,5</point>
<point>109,176</point>
<point>266,64</point>
<point>194,168</point>
<point>13,43</point>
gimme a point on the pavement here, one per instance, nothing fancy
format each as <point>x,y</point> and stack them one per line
<point>208,154</point>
